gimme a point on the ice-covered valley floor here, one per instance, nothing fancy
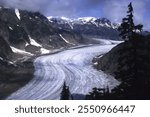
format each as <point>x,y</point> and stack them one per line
<point>74,66</point>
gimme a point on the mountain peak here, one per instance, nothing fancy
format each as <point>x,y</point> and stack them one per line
<point>98,22</point>
<point>87,19</point>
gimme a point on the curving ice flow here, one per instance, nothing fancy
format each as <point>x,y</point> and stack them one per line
<point>73,66</point>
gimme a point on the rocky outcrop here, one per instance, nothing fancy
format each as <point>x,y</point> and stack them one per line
<point>5,50</point>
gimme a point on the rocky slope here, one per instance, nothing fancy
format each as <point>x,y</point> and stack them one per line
<point>16,46</point>
<point>129,62</point>
<point>32,32</point>
<point>110,61</point>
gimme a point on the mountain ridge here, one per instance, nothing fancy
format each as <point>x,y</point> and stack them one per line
<point>83,20</point>
<point>88,26</point>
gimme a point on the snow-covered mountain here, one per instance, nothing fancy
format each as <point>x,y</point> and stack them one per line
<point>98,22</point>
<point>30,33</point>
<point>88,26</point>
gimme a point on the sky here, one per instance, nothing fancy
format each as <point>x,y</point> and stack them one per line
<point>114,10</point>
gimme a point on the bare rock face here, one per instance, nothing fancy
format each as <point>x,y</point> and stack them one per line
<point>5,50</point>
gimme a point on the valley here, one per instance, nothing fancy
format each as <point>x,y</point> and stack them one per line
<point>73,66</point>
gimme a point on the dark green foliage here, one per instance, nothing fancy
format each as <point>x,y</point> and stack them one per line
<point>134,70</point>
<point>65,94</point>
<point>134,65</point>
<point>98,94</point>
<point>127,27</point>
<point>138,27</point>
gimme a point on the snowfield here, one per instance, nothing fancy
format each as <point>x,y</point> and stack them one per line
<point>17,13</point>
<point>73,66</point>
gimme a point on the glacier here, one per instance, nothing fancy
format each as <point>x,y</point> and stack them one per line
<point>73,66</point>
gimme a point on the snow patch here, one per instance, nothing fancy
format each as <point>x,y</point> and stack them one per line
<point>96,63</point>
<point>49,18</point>
<point>33,42</point>
<point>70,25</point>
<point>10,28</point>
<point>44,51</point>
<point>10,62</point>
<point>1,58</point>
<point>17,13</point>
<point>107,25</point>
<point>65,39</point>
<point>19,51</point>
<point>100,24</point>
<point>95,24</point>
<point>64,18</point>
<point>87,19</point>
<point>27,44</point>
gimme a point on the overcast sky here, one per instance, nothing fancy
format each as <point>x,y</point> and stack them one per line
<point>114,10</point>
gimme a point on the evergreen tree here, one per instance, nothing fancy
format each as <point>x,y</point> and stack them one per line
<point>138,28</point>
<point>98,94</point>
<point>134,70</point>
<point>127,28</point>
<point>132,64</point>
<point>65,94</point>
